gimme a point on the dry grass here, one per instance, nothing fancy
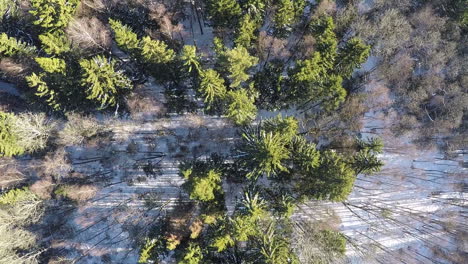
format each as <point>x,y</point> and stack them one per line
<point>33,130</point>
<point>79,193</point>
<point>9,174</point>
<point>89,34</point>
<point>78,129</point>
<point>43,188</point>
<point>143,106</point>
<point>13,69</point>
<point>269,47</point>
<point>55,164</point>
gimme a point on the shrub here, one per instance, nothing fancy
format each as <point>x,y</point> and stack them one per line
<point>78,129</point>
<point>33,130</point>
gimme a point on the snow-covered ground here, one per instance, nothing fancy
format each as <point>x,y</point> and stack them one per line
<point>414,210</point>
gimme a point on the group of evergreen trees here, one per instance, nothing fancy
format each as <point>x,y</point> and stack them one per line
<point>235,84</point>
<point>296,171</point>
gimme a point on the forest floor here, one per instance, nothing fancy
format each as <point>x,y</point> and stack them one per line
<point>413,211</point>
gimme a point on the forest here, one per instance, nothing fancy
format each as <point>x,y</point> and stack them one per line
<point>233,131</point>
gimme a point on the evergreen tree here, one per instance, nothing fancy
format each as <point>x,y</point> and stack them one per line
<point>323,29</point>
<point>9,145</point>
<point>192,255</point>
<point>238,62</point>
<point>351,56</point>
<point>373,144</point>
<point>284,14</point>
<point>52,65</point>
<point>190,59</point>
<point>10,46</point>
<point>275,249</point>
<point>245,32</point>
<point>299,7</point>
<point>264,153</point>
<point>222,242</point>
<point>53,14</point>
<point>254,7</point>
<point>241,107</point>
<point>104,84</point>
<point>55,43</point>
<point>124,36</point>
<point>8,7</point>
<point>286,127</point>
<point>333,93</point>
<point>202,185</point>
<point>305,155</point>
<point>212,86</point>
<point>332,180</point>
<point>366,162</point>
<point>43,90</point>
<point>155,51</point>
<point>224,13</point>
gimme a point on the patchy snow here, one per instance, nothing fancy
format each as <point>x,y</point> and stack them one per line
<point>414,210</point>
<point>139,175</point>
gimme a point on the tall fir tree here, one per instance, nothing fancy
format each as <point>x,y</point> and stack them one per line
<point>264,153</point>
<point>155,51</point>
<point>202,184</point>
<point>351,56</point>
<point>9,145</point>
<point>245,33</point>
<point>239,61</point>
<point>37,82</point>
<point>10,46</point>
<point>52,65</point>
<point>124,36</point>
<point>241,107</point>
<point>103,82</point>
<point>284,15</point>
<point>212,86</point>
<point>332,180</point>
<point>55,43</point>
<point>190,59</point>
<point>224,13</point>
<point>53,14</point>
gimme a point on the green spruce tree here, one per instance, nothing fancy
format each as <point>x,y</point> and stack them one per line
<point>211,86</point>
<point>192,255</point>
<point>37,82</point>
<point>241,107</point>
<point>124,36</point>
<point>202,185</point>
<point>284,15</point>
<point>239,61</point>
<point>155,51</point>
<point>52,65</point>
<point>9,145</point>
<point>224,13</point>
<point>332,180</point>
<point>264,153</point>
<point>245,33</point>
<point>190,59</point>
<point>351,56</point>
<point>103,82</point>
<point>55,43</point>
<point>53,14</point>
<point>10,46</point>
